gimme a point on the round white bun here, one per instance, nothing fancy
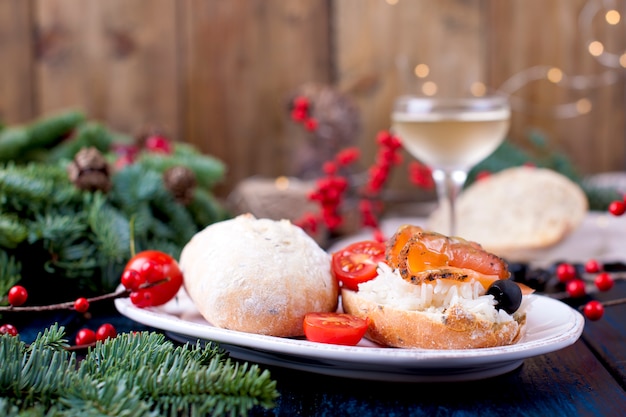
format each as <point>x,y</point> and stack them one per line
<point>258,276</point>
<point>516,212</point>
<point>402,317</point>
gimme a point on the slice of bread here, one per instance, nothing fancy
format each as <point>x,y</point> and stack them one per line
<point>516,211</point>
<point>452,328</point>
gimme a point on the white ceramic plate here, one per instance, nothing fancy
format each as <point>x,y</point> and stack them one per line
<point>551,325</point>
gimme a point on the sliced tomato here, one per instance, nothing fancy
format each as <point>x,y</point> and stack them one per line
<point>357,262</point>
<point>334,328</point>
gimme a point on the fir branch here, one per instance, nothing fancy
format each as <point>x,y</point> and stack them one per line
<point>12,230</point>
<point>9,271</point>
<point>17,141</point>
<point>183,378</point>
<point>89,134</point>
<point>140,374</point>
<point>208,170</point>
<point>111,229</point>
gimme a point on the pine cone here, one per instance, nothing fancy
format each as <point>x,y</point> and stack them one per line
<point>89,170</point>
<point>181,182</point>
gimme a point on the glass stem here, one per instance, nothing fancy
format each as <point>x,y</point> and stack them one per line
<point>449,184</point>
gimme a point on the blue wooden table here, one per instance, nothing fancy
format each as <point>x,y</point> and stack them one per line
<point>587,378</point>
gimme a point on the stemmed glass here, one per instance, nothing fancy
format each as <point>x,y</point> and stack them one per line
<point>451,135</point>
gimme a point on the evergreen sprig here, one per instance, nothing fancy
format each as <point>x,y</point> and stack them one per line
<point>141,374</point>
<point>53,232</point>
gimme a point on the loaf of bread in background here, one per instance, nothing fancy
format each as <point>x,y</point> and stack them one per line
<point>258,276</point>
<point>516,211</point>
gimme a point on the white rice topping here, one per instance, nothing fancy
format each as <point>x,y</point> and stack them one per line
<point>388,288</point>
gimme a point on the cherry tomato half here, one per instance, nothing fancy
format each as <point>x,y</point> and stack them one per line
<point>154,278</point>
<point>334,328</point>
<point>357,262</point>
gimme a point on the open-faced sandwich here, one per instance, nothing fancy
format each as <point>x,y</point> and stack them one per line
<point>436,292</point>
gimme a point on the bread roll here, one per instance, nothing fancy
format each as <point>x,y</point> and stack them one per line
<point>441,315</point>
<point>516,211</point>
<point>258,276</point>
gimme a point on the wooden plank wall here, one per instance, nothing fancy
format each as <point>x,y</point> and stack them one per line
<point>218,73</point>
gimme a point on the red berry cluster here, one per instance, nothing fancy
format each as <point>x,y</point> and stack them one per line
<point>329,192</point>
<point>154,143</point>
<point>421,175</point>
<point>87,336</point>
<point>387,156</point>
<point>576,286</point>
<point>301,113</point>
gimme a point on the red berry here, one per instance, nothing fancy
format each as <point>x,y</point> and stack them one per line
<point>593,310</point>
<point>310,124</point>
<point>299,115</point>
<point>604,281</point>
<point>576,288</point>
<point>85,337</point>
<point>8,329</point>
<point>17,295</point>
<point>592,266</point>
<point>565,272</point>
<point>157,143</point>
<point>131,279</point>
<point>301,103</point>
<point>105,331</point>
<point>81,305</point>
<point>617,208</point>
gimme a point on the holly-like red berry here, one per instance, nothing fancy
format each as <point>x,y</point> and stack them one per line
<point>617,208</point>
<point>576,288</point>
<point>81,305</point>
<point>17,295</point>
<point>310,124</point>
<point>592,266</point>
<point>593,310</point>
<point>604,281</point>
<point>8,329</point>
<point>159,144</point>
<point>107,330</point>
<point>85,336</point>
<point>565,272</point>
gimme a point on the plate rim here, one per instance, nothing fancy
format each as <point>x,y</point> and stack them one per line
<point>358,355</point>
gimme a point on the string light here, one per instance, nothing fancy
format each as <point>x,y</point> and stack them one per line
<point>612,62</point>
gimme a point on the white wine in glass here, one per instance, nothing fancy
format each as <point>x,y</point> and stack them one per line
<point>451,135</point>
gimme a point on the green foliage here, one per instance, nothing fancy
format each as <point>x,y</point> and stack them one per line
<point>10,271</point>
<point>21,143</point>
<point>139,374</point>
<point>54,232</point>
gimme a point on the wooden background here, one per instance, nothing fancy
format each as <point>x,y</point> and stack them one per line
<point>217,73</point>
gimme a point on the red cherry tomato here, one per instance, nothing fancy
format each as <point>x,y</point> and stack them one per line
<point>153,277</point>
<point>334,328</point>
<point>357,262</point>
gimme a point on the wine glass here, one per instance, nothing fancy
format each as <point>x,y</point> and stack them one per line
<point>451,135</point>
